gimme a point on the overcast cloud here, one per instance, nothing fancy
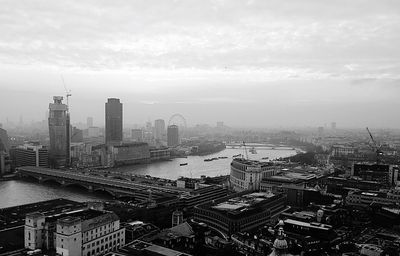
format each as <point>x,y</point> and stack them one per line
<point>259,63</point>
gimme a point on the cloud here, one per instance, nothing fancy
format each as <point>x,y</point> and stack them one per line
<point>283,40</point>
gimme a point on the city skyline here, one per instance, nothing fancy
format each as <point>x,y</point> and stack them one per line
<point>265,61</point>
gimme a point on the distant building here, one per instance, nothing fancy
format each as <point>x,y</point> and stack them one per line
<point>333,125</point>
<point>220,124</point>
<point>4,145</point>
<point>76,135</point>
<point>80,232</point>
<point>173,136</point>
<point>113,121</point>
<point>137,135</point>
<point>59,132</point>
<point>124,154</point>
<point>383,173</point>
<point>93,132</point>
<point>159,154</point>
<point>159,129</point>
<point>247,174</point>
<point>32,154</point>
<point>89,122</point>
<point>241,212</point>
<point>366,198</point>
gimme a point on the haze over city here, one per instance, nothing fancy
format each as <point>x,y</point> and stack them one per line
<point>247,63</point>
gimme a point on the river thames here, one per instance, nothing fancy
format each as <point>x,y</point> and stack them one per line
<point>16,192</point>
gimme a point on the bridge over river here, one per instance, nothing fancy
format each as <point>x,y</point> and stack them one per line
<point>92,182</point>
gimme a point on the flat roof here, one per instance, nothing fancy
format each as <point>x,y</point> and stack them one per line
<point>242,203</point>
<point>314,225</point>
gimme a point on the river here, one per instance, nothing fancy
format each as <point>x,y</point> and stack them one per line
<point>16,192</point>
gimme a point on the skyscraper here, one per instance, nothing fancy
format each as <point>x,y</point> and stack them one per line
<point>113,121</point>
<point>59,132</point>
<point>172,136</point>
<point>159,128</point>
<point>89,122</point>
<point>4,145</point>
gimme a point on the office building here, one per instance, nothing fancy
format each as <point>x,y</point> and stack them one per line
<point>4,140</point>
<point>247,174</point>
<point>30,154</point>
<point>59,133</point>
<point>113,121</point>
<point>84,232</point>
<point>366,198</point>
<point>159,129</point>
<point>241,212</point>
<point>173,136</point>
<point>383,173</point>
<point>89,122</point>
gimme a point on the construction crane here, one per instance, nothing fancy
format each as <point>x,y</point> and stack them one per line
<point>67,92</point>
<point>245,150</point>
<point>376,147</point>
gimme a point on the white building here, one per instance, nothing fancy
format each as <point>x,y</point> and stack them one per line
<point>247,174</point>
<point>85,232</point>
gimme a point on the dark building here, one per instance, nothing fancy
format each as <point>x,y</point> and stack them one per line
<point>172,136</point>
<point>59,132</point>
<point>383,173</point>
<point>113,121</point>
<point>76,135</point>
<point>241,212</point>
<point>4,140</point>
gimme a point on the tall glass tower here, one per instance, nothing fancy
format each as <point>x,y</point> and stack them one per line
<point>113,121</point>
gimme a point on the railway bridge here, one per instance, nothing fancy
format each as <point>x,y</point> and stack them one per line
<point>92,182</point>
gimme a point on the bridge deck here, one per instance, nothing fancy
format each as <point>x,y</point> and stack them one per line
<point>98,180</point>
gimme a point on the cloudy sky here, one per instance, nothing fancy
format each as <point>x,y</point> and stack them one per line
<point>248,63</point>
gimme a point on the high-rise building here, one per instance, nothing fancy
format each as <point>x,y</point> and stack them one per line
<point>4,140</point>
<point>159,127</point>
<point>333,125</point>
<point>89,122</point>
<point>76,135</point>
<point>113,121</point>
<point>137,135</point>
<point>59,133</point>
<point>172,136</point>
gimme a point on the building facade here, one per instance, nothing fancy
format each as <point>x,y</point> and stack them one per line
<point>173,136</point>
<point>4,139</point>
<point>241,212</point>
<point>31,155</point>
<point>248,174</point>
<point>113,121</point>
<point>159,129</point>
<point>59,133</point>
<point>84,232</point>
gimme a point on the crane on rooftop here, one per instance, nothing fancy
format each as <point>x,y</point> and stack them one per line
<point>67,92</point>
<point>377,148</point>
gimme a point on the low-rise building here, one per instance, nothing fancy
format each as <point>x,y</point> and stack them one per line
<point>241,212</point>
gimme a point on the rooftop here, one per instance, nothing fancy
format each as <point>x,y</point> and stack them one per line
<point>138,247</point>
<point>243,203</point>
<point>313,225</point>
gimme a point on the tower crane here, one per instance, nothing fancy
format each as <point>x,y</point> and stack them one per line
<point>377,148</point>
<point>67,93</point>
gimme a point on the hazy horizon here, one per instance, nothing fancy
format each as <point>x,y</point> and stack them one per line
<point>246,63</point>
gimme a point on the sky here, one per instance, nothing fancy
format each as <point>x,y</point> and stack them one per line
<point>266,63</point>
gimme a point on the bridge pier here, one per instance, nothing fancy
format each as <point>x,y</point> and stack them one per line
<point>90,188</point>
<point>40,179</point>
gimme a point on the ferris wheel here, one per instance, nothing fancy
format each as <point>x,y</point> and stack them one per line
<point>178,120</point>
